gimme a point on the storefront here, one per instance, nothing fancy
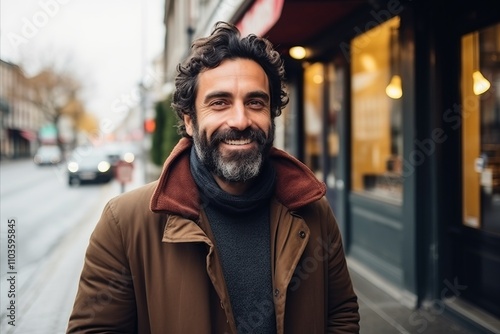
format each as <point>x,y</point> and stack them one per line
<point>475,242</point>
<point>396,106</point>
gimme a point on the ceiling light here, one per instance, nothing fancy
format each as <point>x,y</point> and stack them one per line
<point>297,52</point>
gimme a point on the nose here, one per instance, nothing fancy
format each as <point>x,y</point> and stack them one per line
<point>239,118</point>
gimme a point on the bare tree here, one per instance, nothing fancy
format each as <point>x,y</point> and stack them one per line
<point>56,90</point>
<point>53,92</point>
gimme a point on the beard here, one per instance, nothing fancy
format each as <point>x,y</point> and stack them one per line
<point>235,165</point>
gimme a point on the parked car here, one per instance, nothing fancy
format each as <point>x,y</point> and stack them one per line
<point>48,155</point>
<point>89,165</point>
<point>117,152</point>
<point>121,151</point>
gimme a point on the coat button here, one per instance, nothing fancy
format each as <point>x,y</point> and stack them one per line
<point>276,292</point>
<point>302,234</point>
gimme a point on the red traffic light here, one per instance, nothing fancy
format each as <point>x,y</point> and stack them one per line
<point>149,125</point>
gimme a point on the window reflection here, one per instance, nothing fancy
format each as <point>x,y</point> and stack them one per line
<point>335,99</point>
<point>377,141</point>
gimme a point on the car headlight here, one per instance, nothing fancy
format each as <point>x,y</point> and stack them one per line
<point>129,157</point>
<point>73,167</point>
<point>103,166</point>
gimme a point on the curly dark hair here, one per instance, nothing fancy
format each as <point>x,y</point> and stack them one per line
<point>225,42</point>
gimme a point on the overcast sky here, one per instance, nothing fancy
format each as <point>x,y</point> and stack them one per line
<point>108,43</point>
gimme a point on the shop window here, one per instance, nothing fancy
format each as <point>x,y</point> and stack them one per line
<point>313,121</point>
<point>481,128</point>
<point>376,92</point>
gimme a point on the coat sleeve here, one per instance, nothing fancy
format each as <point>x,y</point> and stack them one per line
<point>105,300</point>
<point>343,310</point>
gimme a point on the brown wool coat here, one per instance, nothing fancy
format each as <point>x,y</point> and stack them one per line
<point>151,265</point>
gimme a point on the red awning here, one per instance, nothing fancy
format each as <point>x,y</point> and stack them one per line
<point>302,21</point>
<point>28,134</point>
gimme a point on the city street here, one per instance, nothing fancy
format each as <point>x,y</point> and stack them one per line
<point>45,226</point>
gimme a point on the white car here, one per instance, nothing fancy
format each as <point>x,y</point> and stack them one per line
<point>48,155</point>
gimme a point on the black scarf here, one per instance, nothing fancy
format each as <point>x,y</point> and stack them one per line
<point>258,194</point>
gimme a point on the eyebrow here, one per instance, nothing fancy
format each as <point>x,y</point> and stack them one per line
<point>216,95</point>
<point>259,94</point>
<point>222,94</point>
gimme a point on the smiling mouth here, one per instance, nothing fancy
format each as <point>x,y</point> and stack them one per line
<point>237,142</point>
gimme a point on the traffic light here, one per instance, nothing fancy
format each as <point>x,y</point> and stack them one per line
<point>149,125</point>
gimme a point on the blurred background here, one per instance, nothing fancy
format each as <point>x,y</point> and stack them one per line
<point>395,105</point>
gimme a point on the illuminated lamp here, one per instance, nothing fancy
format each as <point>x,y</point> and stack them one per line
<point>393,89</point>
<point>297,52</point>
<point>480,84</point>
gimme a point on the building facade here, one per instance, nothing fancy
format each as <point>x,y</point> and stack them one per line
<point>20,119</point>
<point>395,105</point>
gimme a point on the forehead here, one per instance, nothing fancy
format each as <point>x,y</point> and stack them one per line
<point>232,74</point>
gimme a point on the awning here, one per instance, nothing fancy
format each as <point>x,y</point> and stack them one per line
<point>302,21</point>
<point>28,135</point>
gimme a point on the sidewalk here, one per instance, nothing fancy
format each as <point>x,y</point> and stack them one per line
<point>382,313</point>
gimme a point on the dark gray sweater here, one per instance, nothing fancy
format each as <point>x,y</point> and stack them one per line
<point>241,227</point>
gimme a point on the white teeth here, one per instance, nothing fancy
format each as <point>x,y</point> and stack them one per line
<point>238,142</point>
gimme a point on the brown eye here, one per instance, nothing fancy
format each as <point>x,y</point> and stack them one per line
<point>256,104</point>
<point>218,104</point>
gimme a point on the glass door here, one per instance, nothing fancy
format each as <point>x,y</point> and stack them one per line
<point>479,252</point>
<point>323,108</point>
<point>335,157</point>
<point>481,129</point>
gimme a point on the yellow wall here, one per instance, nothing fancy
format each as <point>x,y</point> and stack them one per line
<point>471,144</point>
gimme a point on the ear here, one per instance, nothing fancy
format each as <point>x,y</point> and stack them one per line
<point>188,122</point>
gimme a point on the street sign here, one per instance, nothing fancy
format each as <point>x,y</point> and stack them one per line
<point>124,171</point>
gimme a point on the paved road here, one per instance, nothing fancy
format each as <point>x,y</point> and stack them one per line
<point>50,223</point>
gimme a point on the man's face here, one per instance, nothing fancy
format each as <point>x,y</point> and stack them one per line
<point>233,131</point>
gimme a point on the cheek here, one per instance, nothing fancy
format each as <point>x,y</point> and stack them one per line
<point>264,124</point>
<point>209,125</point>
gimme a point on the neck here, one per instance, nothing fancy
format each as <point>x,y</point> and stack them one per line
<point>232,188</point>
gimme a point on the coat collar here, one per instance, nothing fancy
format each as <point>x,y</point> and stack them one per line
<point>176,191</point>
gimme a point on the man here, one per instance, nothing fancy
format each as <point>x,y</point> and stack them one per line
<point>236,236</point>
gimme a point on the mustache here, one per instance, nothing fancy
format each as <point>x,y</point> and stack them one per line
<point>230,134</point>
